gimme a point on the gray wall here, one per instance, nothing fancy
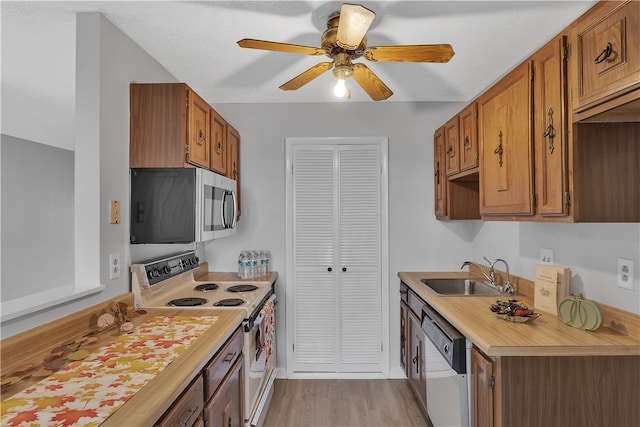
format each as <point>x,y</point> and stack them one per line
<point>37,215</point>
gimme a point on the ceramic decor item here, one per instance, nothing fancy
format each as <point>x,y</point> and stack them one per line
<point>580,313</point>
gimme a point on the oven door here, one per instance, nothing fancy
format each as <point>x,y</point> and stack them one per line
<point>217,206</point>
<point>260,360</point>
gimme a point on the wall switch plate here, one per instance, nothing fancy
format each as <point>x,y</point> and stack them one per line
<point>114,266</point>
<point>546,256</point>
<point>625,273</point>
<point>114,212</point>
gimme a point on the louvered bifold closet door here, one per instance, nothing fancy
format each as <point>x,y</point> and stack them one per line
<point>360,286</point>
<point>314,233</point>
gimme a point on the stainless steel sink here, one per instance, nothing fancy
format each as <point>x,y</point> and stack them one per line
<point>460,287</point>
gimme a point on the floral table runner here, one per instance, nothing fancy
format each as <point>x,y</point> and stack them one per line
<point>86,392</point>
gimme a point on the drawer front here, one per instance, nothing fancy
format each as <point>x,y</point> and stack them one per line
<point>222,362</point>
<point>415,303</point>
<point>609,51</point>
<point>187,409</point>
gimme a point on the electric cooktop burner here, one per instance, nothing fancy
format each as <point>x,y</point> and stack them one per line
<point>187,302</point>
<point>242,288</point>
<point>206,287</point>
<point>229,302</point>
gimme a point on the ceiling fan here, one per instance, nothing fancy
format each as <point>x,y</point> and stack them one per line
<point>343,41</point>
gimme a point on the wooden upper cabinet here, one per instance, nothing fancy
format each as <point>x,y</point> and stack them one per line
<point>452,138</point>
<point>218,143</point>
<point>461,134</point>
<point>468,152</point>
<point>550,124</point>
<point>199,136</point>
<point>506,146</point>
<point>608,53</point>
<point>233,160</point>
<point>169,126</point>
<point>439,176</point>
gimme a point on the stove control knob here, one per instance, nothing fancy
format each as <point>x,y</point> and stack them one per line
<point>154,273</point>
<point>166,270</point>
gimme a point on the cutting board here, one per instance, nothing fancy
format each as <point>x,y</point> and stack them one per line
<point>552,284</point>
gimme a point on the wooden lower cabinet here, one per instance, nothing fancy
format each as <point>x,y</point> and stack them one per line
<point>187,410</point>
<point>404,336</point>
<point>225,407</point>
<point>555,390</point>
<point>219,386</point>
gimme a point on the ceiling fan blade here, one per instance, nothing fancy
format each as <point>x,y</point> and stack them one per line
<point>354,22</point>
<point>410,53</point>
<point>371,84</point>
<point>302,79</point>
<point>281,47</point>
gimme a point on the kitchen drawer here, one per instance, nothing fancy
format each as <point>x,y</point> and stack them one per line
<point>608,52</point>
<point>217,369</point>
<point>415,303</point>
<point>187,409</point>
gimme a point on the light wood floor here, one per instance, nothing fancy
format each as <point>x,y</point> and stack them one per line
<point>343,403</point>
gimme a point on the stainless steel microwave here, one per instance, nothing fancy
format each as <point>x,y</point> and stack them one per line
<point>181,205</point>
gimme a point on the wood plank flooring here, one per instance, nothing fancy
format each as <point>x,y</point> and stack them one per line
<point>343,403</point>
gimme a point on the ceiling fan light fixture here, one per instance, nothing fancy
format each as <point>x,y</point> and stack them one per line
<point>340,90</point>
<point>355,20</point>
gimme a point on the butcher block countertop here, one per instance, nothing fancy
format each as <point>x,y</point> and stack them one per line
<point>29,351</point>
<point>547,335</point>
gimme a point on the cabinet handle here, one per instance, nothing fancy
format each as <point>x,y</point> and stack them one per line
<point>450,151</point>
<point>229,422</point>
<point>201,137</point>
<point>550,132</point>
<point>192,411</point>
<point>604,54</point>
<point>499,151</point>
<point>437,174</point>
<point>466,142</point>
<point>415,360</point>
<point>230,357</point>
<point>403,292</point>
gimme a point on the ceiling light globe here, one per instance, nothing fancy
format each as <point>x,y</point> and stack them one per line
<point>340,90</point>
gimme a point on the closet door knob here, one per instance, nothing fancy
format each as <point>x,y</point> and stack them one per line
<point>344,268</point>
<point>329,269</point>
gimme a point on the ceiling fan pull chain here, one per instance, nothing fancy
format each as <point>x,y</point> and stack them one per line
<point>499,151</point>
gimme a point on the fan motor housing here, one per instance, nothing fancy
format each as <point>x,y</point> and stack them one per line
<point>330,36</point>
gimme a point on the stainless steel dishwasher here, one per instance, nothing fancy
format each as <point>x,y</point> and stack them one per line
<point>445,367</point>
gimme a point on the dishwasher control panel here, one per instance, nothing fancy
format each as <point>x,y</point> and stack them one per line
<point>447,339</point>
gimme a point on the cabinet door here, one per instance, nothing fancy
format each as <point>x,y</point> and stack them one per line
<point>451,136</point>
<point>233,160</point>
<point>550,123</point>
<point>468,152</point>
<point>417,375</point>
<point>225,407</point>
<point>404,336</point>
<point>439,176</point>
<point>218,143</point>
<point>506,156</point>
<point>608,51</point>
<point>482,409</point>
<point>199,125</point>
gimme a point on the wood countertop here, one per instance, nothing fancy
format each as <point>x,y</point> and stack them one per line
<point>151,401</point>
<point>548,335</point>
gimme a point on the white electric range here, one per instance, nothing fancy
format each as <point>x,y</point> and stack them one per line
<point>170,282</point>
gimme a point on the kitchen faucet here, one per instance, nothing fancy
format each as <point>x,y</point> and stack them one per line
<point>507,288</point>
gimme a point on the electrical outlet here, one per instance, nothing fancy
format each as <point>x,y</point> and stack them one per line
<point>114,266</point>
<point>625,273</point>
<point>546,256</point>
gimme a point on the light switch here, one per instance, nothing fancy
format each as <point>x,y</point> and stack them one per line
<point>114,212</point>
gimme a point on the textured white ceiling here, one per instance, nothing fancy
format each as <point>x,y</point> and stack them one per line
<point>196,42</point>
